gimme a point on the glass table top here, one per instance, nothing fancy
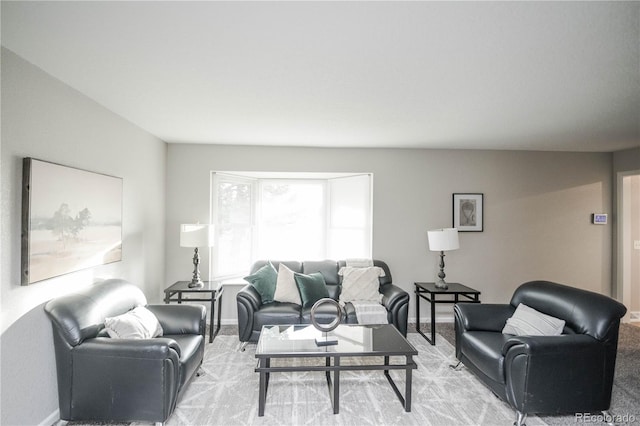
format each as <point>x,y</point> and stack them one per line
<point>353,340</point>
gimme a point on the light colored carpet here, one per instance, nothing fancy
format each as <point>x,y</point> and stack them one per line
<point>227,394</point>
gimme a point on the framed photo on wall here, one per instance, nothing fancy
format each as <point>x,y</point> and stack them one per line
<point>71,220</point>
<point>468,212</point>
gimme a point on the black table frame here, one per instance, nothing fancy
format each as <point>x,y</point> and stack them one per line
<point>265,369</point>
<point>430,293</point>
<point>212,291</point>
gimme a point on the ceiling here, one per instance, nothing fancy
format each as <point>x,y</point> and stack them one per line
<point>461,75</point>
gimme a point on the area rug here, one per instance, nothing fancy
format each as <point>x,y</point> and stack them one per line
<point>227,393</point>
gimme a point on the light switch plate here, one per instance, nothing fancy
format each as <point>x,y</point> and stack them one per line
<point>636,244</point>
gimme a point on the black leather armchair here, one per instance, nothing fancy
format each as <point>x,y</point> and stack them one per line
<point>252,314</point>
<point>569,373</point>
<point>106,380</point>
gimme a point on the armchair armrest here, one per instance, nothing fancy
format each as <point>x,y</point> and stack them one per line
<point>124,379</point>
<point>156,348</point>
<point>570,370</point>
<point>181,319</point>
<point>549,345</point>
<point>482,317</point>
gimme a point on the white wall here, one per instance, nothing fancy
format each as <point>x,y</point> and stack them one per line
<point>45,119</point>
<point>537,207</point>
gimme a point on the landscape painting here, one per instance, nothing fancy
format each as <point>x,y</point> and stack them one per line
<point>71,220</point>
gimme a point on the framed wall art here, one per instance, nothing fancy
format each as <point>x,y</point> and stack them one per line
<point>71,220</point>
<point>468,212</point>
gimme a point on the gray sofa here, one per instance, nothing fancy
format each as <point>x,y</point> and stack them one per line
<point>101,379</point>
<point>252,314</point>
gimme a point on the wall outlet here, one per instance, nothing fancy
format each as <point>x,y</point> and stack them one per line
<point>636,244</point>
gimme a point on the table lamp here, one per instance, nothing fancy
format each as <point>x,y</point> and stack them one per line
<point>196,236</point>
<point>443,240</point>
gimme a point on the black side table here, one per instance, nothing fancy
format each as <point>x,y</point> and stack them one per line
<point>430,293</point>
<point>211,291</point>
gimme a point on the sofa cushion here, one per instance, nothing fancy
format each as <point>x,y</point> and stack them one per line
<point>264,280</point>
<point>361,284</point>
<point>484,350</point>
<point>286,288</point>
<point>526,321</point>
<point>312,288</point>
<point>138,323</point>
<point>276,313</point>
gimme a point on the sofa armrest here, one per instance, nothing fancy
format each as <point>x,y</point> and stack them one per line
<point>393,295</point>
<point>181,319</point>
<point>396,301</point>
<point>482,317</point>
<point>248,301</point>
<point>570,370</point>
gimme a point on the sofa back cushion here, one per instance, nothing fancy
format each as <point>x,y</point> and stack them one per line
<point>585,312</point>
<point>328,268</point>
<point>81,315</point>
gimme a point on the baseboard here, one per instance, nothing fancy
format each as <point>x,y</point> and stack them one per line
<point>52,419</point>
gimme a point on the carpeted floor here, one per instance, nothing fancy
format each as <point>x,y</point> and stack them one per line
<point>625,400</point>
<point>227,393</point>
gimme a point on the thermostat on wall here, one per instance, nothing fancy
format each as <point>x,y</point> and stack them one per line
<point>599,219</point>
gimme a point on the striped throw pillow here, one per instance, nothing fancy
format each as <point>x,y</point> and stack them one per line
<point>527,321</point>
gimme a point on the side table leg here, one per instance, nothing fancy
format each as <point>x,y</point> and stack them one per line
<point>433,323</point>
<point>219,314</point>
<point>213,315</point>
<point>417,311</point>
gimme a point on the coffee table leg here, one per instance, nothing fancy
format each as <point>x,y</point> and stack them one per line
<point>407,389</point>
<point>336,386</point>
<point>264,377</point>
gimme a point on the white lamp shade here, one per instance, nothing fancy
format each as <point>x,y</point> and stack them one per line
<point>196,235</point>
<point>443,239</point>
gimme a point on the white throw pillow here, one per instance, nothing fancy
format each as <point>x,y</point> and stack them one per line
<point>286,288</point>
<point>138,323</point>
<point>360,284</point>
<point>527,321</point>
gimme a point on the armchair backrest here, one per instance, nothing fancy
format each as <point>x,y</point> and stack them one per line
<point>584,312</point>
<point>80,316</point>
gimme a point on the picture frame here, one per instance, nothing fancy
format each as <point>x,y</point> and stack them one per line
<point>468,212</point>
<point>71,220</point>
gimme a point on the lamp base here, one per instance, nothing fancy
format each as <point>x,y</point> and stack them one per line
<point>441,284</point>
<point>196,284</point>
<point>196,281</point>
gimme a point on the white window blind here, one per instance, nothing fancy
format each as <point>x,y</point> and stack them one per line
<point>296,216</point>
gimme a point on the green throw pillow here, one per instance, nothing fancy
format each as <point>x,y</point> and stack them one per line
<point>264,281</point>
<point>312,288</point>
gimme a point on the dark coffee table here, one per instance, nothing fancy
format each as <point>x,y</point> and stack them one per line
<point>355,341</point>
